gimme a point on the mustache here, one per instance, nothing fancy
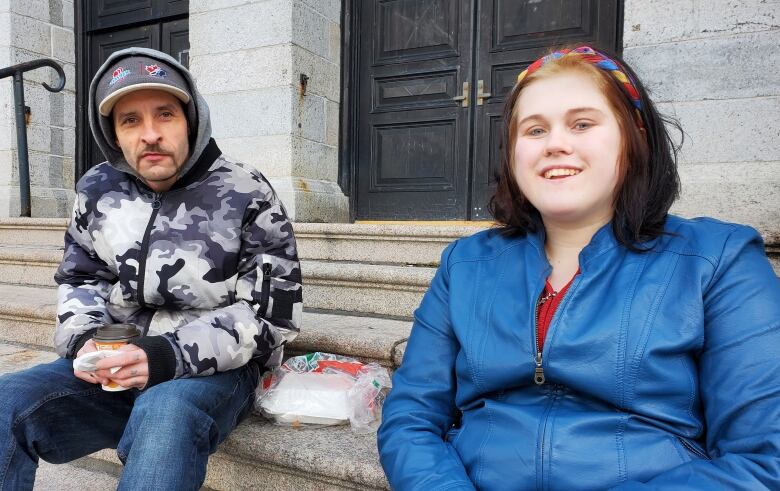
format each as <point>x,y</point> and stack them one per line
<point>156,148</point>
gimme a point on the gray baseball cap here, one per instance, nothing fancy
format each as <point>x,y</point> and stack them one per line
<point>138,73</point>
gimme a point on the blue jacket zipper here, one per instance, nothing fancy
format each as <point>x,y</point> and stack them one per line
<point>539,377</point>
<point>539,371</point>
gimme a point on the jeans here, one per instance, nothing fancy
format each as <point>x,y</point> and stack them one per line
<point>162,435</point>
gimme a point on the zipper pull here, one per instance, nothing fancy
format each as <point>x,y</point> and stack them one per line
<point>267,271</point>
<point>156,203</point>
<point>539,372</point>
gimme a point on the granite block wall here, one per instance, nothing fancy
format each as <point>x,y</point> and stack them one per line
<point>715,66</point>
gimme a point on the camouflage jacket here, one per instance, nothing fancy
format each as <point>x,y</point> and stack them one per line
<point>210,267</point>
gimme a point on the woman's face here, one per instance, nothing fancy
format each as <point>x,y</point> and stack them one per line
<point>566,149</point>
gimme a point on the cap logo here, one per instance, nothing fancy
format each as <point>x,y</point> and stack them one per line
<point>118,75</point>
<point>156,71</point>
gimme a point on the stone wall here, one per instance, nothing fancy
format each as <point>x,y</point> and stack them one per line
<point>32,29</point>
<point>715,66</point>
<point>247,58</point>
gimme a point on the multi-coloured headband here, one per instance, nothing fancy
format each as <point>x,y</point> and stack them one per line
<point>596,58</point>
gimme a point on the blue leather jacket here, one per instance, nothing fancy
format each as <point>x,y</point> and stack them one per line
<point>662,368</point>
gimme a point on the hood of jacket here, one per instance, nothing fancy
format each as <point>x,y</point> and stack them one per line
<point>197,114</point>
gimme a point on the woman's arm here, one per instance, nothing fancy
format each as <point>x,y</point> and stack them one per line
<point>739,375</point>
<point>421,406</point>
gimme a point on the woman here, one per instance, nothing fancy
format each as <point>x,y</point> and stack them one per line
<point>592,341</point>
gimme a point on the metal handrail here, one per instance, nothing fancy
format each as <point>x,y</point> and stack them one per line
<point>16,72</point>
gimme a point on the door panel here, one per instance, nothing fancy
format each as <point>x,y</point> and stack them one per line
<point>411,29</point>
<point>176,40</point>
<point>109,13</point>
<point>523,23</point>
<point>172,7</point>
<point>413,138</point>
<point>414,91</point>
<point>114,13</point>
<point>414,156</point>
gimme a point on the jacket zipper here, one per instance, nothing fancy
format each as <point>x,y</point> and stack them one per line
<point>539,371</point>
<point>539,377</point>
<point>156,204</point>
<point>266,288</point>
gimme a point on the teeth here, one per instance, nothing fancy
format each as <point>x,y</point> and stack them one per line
<point>560,172</point>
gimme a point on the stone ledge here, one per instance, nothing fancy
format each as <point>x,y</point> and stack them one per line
<point>378,243</point>
<point>385,276</point>
<point>326,285</point>
<point>31,249</point>
<point>381,243</point>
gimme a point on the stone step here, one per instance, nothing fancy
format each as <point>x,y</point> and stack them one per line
<point>384,289</point>
<point>378,243</point>
<point>79,476</point>
<point>258,455</point>
<point>27,317</point>
<point>47,232</point>
<point>366,243</point>
<point>393,243</point>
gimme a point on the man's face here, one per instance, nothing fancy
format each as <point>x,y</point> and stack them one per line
<point>151,129</point>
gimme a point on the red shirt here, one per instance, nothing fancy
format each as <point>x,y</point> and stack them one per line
<point>548,304</point>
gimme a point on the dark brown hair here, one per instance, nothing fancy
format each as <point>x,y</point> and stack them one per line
<point>648,182</point>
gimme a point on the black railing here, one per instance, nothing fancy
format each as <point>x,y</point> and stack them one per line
<point>16,72</point>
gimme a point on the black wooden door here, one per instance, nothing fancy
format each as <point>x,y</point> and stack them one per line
<point>420,153</point>
<point>413,139</point>
<point>111,25</point>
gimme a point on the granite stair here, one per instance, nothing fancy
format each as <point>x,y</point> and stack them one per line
<point>367,269</point>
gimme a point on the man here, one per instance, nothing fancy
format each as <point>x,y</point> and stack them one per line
<point>193,248</point>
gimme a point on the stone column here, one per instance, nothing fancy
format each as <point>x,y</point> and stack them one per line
<point>248,59</point>
<point>32,29</point>
<point>715,66</point>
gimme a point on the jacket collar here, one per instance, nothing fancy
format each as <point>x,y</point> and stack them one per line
<point>602,241</point>
<point>201,166</point>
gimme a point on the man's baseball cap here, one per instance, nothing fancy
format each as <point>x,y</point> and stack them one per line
<point>138,73</point>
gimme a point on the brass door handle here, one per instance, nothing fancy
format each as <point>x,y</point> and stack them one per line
<point>481,94</point>
<point>465,97</point>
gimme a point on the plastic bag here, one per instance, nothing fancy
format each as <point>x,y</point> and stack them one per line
<point>324,389</point>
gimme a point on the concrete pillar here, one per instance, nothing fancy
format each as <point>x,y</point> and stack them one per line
<point>247,58</point>
<point>714,65</point>
<point>32,29</point>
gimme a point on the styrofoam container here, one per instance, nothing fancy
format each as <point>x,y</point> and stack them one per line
<point>313,398</point>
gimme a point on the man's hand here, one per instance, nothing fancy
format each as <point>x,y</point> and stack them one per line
<point>133,367</point>
<point>90,377</point>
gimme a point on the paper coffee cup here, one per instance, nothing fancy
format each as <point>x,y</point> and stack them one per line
<point>112,337</point>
